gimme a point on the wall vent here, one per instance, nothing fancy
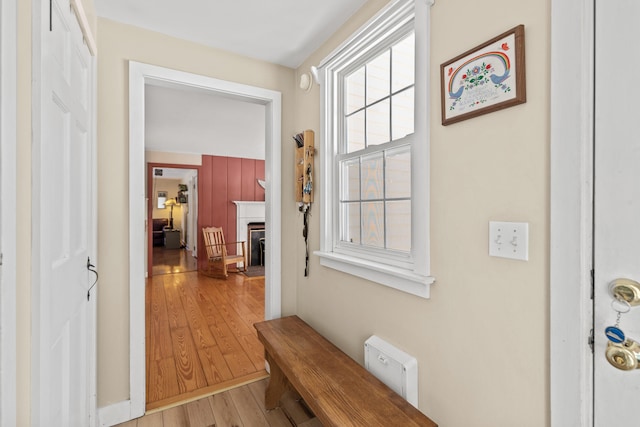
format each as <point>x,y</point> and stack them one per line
<point>392,366</point>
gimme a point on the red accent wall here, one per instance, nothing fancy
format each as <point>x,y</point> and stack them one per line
<point>221,181</point>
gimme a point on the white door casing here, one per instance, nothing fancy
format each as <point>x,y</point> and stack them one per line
<point>63,220</point>
<point>139,75</point>
<point>617,202</point>
<point>573,391</point>
<point>8,96</point>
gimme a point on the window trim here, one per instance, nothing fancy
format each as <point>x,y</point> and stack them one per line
<point>416,278</point>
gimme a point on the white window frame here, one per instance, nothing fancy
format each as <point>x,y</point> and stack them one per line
<point>414,276</point>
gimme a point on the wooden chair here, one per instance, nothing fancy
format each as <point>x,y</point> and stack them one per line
<point>217,256</point>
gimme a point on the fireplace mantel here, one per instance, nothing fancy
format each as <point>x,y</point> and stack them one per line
<point>247,212</point>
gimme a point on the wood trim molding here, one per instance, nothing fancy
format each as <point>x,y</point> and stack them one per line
<point>8,191</point>
<point>78,9</point>
<point>571,111</point>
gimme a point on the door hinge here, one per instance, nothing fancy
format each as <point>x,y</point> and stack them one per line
<point>1,258</point>
<point>50,15</point>
<point>591,340</point>
<point>593,275</point>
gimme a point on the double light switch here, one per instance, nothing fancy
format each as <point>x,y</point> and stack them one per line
<point>509,240</point>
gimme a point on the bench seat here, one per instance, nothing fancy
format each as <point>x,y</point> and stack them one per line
<point>339,391</point>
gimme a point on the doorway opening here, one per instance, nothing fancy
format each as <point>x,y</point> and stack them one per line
<point>172,215</point>
<point>141,76</point>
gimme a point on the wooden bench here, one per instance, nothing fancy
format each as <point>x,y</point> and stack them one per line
<point>338,390</point>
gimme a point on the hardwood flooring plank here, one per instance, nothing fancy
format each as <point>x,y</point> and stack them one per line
<point>204,392</point>
<point>188,368</point>
<point>206,325</point>
<point>132,423</point>
<point>162,381</point>
<point>200,413</point>
<point>248,408</point>
<point>254,349</point>
<point>313,422</point>
<point>231,317</point>
<point>159,340</point>
<point>247,303</point>
<point>175,417</point>
<point>147,333</point>
<point>225,411</point>
<point>291,406</point>
<point>207,305</point>
<point>239,363</point>
<point>152,420</point>
<point>196,321</point>
<point>214,366</point>
<point>276,417</point>
<point>175,310</point>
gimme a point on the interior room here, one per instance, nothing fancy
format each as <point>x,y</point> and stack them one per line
<point>174,221</point>
<point>474,238</point>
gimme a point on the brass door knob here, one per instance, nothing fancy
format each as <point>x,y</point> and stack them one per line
<point>626,290</point>
<point>623,356</point>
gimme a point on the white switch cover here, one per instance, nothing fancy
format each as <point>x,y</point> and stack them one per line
<point>509,240</point>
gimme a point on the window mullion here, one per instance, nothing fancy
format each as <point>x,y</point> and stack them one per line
<point>366,105</point>
<point>384,197</point>
<point>390,93</point>
<point>360,200</point>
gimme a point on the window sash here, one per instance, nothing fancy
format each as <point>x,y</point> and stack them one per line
<point>348,197</point>
<point>407,273</point>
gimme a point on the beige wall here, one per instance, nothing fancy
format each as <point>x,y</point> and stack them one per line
<point>481,340</point>
<point>117,45</point>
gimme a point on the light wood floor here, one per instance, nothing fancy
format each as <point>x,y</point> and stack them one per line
<point>240,407</point>
<point>200,336</point>
<point>167,261</point>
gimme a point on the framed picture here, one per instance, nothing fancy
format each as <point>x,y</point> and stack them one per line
<point>487,78</point>
<point>162,198</point>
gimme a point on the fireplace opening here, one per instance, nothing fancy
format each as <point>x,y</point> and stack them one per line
<point>255,240</point>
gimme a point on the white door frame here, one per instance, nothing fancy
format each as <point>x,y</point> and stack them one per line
<point>139,75</point>
<point>571,236</point>
<point>8,97</point>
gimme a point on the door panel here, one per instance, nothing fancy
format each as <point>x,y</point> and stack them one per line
<point>63,167</point>
<point>617,200</point>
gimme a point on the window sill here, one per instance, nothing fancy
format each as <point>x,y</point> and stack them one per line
<point>393,277</point>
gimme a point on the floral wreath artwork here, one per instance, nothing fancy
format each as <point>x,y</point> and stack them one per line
<point>487,78</point>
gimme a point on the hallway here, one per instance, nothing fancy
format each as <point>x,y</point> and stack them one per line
<point>200,337</point>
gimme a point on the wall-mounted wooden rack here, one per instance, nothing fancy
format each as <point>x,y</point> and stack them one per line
<point>304,167</point>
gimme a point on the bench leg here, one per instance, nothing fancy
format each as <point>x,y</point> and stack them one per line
<point>277,385</point>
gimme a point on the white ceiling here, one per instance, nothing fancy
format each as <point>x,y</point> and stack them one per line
<point>199,122</point>
<point>283,32</point>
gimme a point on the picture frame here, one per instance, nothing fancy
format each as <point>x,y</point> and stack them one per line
<point>162,198</point>
<point>487,78</point>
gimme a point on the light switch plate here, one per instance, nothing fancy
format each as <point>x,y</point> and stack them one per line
<point>509,240</point>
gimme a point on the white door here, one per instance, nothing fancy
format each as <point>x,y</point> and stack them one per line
<point>64,222</point>
<point>617,202</point>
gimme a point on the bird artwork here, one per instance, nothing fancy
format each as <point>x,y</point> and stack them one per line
<point>489,75</point>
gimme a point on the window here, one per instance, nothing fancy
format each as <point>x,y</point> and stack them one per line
<point>374,158</point>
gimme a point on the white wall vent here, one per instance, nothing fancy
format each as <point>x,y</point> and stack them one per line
<point>392,366</point>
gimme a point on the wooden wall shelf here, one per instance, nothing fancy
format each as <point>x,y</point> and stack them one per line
<point>304,168</point>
